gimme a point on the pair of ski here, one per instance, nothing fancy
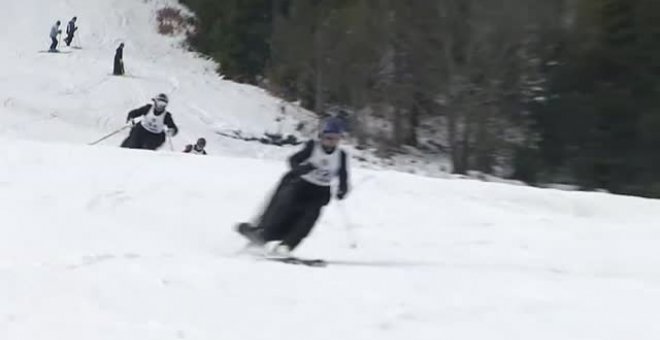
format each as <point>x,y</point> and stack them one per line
<point>60,51</point>
<point>246,231</point>
<point>55,51</point>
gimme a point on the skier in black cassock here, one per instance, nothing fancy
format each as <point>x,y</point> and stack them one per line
<point>118,68</point>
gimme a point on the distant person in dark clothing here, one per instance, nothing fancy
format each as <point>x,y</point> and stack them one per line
<point>198,148</point>
<point>71,29</point>
<point>54,32</point>
<point>118,69</point>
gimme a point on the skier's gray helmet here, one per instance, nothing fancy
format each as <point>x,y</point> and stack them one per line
<point>162,97</point>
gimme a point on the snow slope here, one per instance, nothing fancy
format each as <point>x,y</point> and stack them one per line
<point>72,97</point>
<point>104,243</point>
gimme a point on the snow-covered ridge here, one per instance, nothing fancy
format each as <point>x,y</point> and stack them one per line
<point>73,98</point>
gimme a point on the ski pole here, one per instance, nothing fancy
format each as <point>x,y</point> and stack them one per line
<point>348,225</point>
<point>78,39</point>
<point>169,141</point>
<point>110,134</point>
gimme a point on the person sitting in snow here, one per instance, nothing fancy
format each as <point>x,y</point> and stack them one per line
<point>198,148</point>
<point>70,31</point>
<point>54,32</point>
<point>118,68</point>
<point>152,129</point>
<point>301,194</point>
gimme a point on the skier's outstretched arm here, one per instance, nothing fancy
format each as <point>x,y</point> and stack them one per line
<point>302,155</point>
<point>296,160</point>
<point>169,122</point>
<point>139,112</point>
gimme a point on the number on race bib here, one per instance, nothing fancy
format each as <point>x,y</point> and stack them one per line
<point>152,123</point>
<point>323,175</point>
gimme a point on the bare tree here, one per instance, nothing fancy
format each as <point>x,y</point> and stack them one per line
<point>484,46</point>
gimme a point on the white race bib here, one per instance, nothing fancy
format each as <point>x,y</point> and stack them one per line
<point>326,166</point>
<point>153,123</point>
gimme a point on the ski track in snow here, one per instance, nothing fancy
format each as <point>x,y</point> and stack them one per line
<point>103,243</point>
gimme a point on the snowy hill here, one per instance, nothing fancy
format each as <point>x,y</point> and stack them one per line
<point>72,97</point>
<point>104,243</point>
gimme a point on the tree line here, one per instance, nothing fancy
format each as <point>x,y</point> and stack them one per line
<point>537,90</point>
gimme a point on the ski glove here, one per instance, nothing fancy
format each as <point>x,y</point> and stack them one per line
<point>172,132</point>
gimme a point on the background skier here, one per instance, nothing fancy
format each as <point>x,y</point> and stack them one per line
<point>198,148</point>
<point>150,132</point>
<point>54,32</point>
<point>71,29</point>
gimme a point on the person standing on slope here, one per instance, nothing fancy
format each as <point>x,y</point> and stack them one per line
<point>301,194</point>
<point>118,68</point>
<point>150,132</point>
<point>71,29</point>
<point>198,148</point>
<point>54,32</point>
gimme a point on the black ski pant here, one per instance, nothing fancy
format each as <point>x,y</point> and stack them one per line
<point>139,138</point>
<point>69,38</point>
<point>275,197</point>
<point>293,211</point>
<point>53,44</point>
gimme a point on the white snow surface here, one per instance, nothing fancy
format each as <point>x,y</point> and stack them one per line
<point>105,243</point>
<point>98,242</point>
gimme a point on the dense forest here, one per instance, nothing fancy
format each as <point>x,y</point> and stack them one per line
<point>538,90</point>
